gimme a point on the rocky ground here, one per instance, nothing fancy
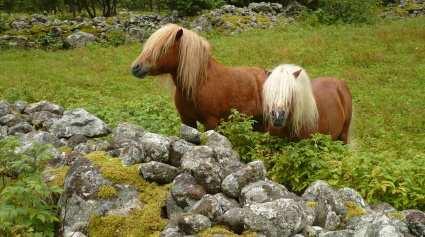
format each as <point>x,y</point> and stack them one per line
<point>185,185</point>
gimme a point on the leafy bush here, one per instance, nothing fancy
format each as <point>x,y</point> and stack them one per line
<point>297,164</point>
<point>4,26</point>
<point>116,38</point>
<point>346,11</point>
<point>192,7</point>
<point>26,201</point>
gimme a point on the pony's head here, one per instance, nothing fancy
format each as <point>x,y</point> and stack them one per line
<point>175,50</point>
<point>288,99</point>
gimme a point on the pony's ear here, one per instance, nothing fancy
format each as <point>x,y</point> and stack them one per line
<point>297,73</point>
<point>179,34</point>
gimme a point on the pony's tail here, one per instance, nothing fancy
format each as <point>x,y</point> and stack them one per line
<point>288,88</point>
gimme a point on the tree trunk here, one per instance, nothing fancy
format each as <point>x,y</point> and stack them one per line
<point>114,7</point>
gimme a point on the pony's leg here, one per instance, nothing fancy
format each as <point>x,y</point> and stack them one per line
<point>259,125</point>
<point>345,96</point>
<point>189,122</point>
<point>345,134</point>
<point>211,123</point>
<point>186,110</point>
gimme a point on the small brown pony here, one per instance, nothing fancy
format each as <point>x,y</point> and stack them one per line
<point>296,107</point>
<point>206,90</point>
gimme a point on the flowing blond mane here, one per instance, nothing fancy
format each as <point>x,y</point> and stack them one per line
<point>284,91</point>
<point>194,53</point>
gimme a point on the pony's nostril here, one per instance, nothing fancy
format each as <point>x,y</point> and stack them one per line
<point>136,67</point>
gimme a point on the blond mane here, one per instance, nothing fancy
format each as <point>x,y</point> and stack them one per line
<point>194,53</point>
<point>285,91</point>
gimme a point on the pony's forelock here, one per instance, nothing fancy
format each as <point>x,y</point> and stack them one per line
<point>194,53</point>
<point>284,91</point>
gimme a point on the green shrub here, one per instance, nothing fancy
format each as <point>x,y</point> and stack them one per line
<point>26,201</point>
<point>400,182</point>
<point>299,164</point>
<point>116,38</point>
<point>346,11</point>
<point>192,7</point>
<point>4,24</point>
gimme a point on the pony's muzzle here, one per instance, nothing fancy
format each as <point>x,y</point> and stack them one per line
<point>278,119</point>
<point>139,71</point>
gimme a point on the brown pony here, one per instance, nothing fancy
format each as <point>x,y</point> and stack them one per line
<point>206,90</point>
<point>296,107</point>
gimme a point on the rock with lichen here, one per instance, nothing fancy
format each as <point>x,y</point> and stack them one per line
<point>158,172</point>
<point>78,121</point>
<point>87,193</point>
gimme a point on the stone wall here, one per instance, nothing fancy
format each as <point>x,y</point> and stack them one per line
<point>40,31</point>
<point>209,185</point>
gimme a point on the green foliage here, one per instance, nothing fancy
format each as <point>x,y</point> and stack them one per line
<point>251,145</point>
<point>116,37</point>
<point>346,11</point>
<point>301,163</point>
<point>4,23</point>
<point>297,164</point>
<point>26,201</point>
<point>192,7</point>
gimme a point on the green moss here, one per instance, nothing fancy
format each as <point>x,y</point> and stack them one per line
<point>90,29</point>
<point>311,204</point>
<point>58,175</point>
<point>107,192</point>
<point>221,230</point>
<point>65,149</point>
<point>144,222</point>
<point>263,20</point>
<point>354,210</point>
<point>204,139</point>
<point>396,215</point>
<point>39,30</point>
<point>236,20</point>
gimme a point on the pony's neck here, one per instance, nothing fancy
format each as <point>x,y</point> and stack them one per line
<point>212,64</point>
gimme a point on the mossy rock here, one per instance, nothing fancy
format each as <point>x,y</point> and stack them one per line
<point>90,29</point>
<point>221,230</point>
<point>263,20</point>
<point>107,192</point>
<point>39,29</point>
<point>354,210</point>
<point>396,215</point>
<point>58,175</point>
<point>237,20</point>
<point>144,222</point>
<point>65,149</point>
<point>311,204</point>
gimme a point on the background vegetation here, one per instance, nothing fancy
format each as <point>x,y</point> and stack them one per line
<point>335,8</point>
